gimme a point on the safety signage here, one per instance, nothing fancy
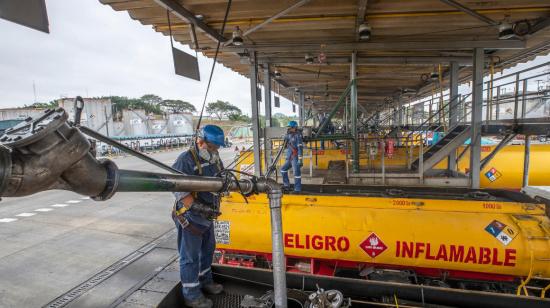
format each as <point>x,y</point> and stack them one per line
<point>503,233</point>
<point>493,174</point>
<point>373,245</point>
<point>222,231</point>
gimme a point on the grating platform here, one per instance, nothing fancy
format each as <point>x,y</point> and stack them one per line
<point>336,172</point>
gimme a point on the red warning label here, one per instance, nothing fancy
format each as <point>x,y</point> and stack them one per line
<point>373,245</point>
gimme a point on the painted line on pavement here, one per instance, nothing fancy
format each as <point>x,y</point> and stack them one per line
<point>59,205</point>
<point>43,210</point>
<point>85,198</point>
<point>7,219</point>
<point>73,201</point>
<point>25,214</point>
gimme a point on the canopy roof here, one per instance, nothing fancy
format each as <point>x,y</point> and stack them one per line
<point>409,39</point>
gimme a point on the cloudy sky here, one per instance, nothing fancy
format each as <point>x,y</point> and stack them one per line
<point>93,50</point>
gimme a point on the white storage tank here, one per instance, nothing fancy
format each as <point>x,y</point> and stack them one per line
<point>135,122</point>
<point>157,127</point>
<point>180,123</point>
<point>97,114</point>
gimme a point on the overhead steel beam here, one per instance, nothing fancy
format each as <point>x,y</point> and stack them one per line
<point>464,61</point>
<point>272,18</point>
<point>470,12</point>
<point>377,46</point>
<point>182,13</point>
<point>540,25</point>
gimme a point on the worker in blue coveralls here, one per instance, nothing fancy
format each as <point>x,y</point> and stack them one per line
<point>294,149</point>
<point>193,214</point>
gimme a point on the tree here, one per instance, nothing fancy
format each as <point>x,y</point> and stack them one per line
<point>120,103</point>
<point>50,105</point>
<point>221,109</point>
<point>283,119</point>
<point>178,106</point>
<point>151,99</point>
<point>239,117</point>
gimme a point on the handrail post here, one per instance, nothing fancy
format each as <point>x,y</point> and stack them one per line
<point>421,160</point>
<point>523,102</point>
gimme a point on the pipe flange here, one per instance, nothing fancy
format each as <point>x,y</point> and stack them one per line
<point>112,180</point>
<point>5,166</point>
<point>34,129</point>
<point>251,184</point>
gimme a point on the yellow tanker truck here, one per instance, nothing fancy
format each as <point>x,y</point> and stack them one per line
<point>491,240</point>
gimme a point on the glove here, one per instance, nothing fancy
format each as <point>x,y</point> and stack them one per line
<point>208,212</point>
<point>300,162</point>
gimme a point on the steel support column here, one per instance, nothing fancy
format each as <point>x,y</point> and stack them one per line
<point>301,109</point>
<point>255,113</point>
<point>353,113</point>
<point>476,117</point>
<point>526,158</point>
<point>453,108</point>
<point>400,121</point>
<point>267,94</point>
<point>268,120</point>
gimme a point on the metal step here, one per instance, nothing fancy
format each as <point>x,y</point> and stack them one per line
<point>443,148</point>
<point>336,172</point>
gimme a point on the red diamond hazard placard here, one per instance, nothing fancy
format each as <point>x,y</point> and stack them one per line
<point>373,245</point>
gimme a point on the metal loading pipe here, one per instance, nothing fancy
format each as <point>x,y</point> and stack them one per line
<point>48,153</point>
<point>278,255</point>
<point>130,180</point>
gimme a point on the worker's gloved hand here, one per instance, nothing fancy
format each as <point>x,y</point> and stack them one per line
<point>206,211</point>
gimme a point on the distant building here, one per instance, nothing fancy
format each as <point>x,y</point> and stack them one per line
<point>19,113</point>
<point>10,117</point>
<point>97,114</point>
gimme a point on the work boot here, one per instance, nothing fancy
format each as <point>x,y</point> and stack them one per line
<point>201,302</point>
<point>213,288</point>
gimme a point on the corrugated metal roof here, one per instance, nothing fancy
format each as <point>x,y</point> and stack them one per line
<point>409,39</point>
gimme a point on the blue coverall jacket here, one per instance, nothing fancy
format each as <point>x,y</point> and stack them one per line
<point>294,151</point>
<point>196,249</point>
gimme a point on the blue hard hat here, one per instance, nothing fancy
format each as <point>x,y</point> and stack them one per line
<point>292,124</point>
<point>213,134</point>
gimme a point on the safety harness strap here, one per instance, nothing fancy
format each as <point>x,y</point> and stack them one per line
<point>177,215</point>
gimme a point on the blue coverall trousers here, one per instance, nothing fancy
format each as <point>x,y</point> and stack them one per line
<point>292,161</point>
<point>196,253</point>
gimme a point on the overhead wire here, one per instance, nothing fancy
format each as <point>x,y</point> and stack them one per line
<point>214,63</point>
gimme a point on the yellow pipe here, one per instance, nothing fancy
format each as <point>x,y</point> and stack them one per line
<point>250,22</point>
<point>524,283</point>
<point>543,292</point>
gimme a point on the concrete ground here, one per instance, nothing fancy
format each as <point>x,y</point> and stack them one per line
<point>55,240</point>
